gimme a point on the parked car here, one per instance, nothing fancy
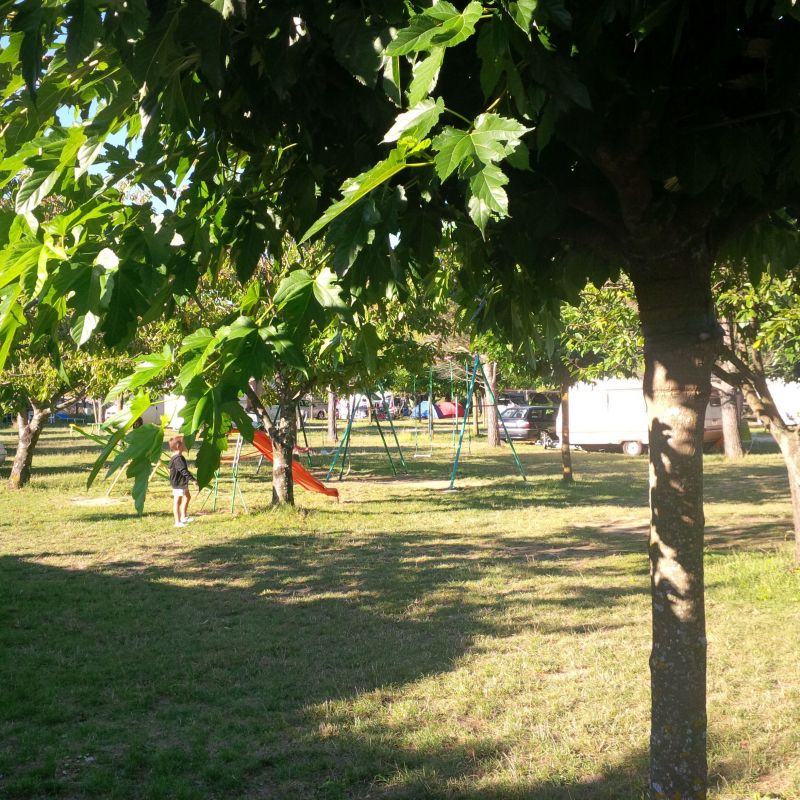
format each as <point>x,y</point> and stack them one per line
<point>509,398</point>
<point>314,408</point>
<point>529,424</point>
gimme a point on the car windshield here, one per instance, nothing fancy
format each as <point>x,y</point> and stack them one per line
<point>513,413</point>
<point>541,413</point>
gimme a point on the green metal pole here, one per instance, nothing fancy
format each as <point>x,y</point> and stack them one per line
<point>502,422</point>
<point>342,444</point>
<point>470,391</point>
<point>347,444</point>
<point>235,471</point>
<point>454,398</point>
<point>383,438</point>
<point>305,438</point>
<point>466,413</point>
<point>394,433</point>
<point>430,405</point>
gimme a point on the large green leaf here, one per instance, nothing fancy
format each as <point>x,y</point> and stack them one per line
<point>368,344</point>
<point>328,292</point>
<point>146,369</point>
<point>294,296</point>
<point>138,406</point>
<point>207,460</point>
<point>488,196</point>
<point>490,140</point>
<point>37,185</point>
<point>522,13</point>
<point>84,29</point>
<point>426,73</point>
<point>442,25</point>
<point>29,19</point>
<point>417,121</point>
<point>360,186</point>
<point>240,417</point>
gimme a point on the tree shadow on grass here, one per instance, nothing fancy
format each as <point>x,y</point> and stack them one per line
<point>260,667</point>
<point>211,677</point>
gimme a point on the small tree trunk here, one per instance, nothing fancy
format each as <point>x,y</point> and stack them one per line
<point>794,488</point>
<point>490,406</point>
<point>28,435</point>
<point>97,411</point>
<point>476,423</point>
<point>284,436</point>
<point>731,433</point>
<point>729,403</point>
<point>333,436</point>
<point>681,343</point>
<point>789,442</point>
<point>566,453</point>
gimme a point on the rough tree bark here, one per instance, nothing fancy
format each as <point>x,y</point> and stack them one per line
<point>729,405</point>
<point>333,436</point>
<point>490,405</point>
<point>681,344</point>
<point>566,453</point>
<point>751,379</point>
<point>28,434</point>
<point>731,434</point>
<point>283,434</point>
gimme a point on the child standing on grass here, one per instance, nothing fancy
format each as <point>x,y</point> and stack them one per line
<point>179,477</point>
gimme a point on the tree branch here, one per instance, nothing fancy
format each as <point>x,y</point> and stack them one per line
<point>755,389</point>
<point>266,420</point>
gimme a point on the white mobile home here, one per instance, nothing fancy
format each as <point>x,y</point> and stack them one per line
<point>611,414</point>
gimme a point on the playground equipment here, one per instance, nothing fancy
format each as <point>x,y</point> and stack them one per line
<point>476,365</point>
<point>263,446</point>
<point>236,489</point>
<point>342,451</point>
<point>300,475</point>
<point>418,417</point>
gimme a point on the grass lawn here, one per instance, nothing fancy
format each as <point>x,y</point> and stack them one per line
<point>404,643</point>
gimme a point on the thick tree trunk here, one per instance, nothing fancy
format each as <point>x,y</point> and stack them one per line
<point>681,344</point>
<point>284,436</point>
<point>490,406</point>
<point>333,436</point>
<point>731,433</point>
<point>27,437</point>
<point>566,453</point>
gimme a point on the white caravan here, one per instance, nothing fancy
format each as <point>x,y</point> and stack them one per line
<point>612,414</point>
<point>787,400</point>
<point>170,406</point>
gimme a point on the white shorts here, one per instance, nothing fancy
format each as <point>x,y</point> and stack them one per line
<point>180,492</point>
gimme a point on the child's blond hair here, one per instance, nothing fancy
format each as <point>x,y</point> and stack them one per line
<point>176,444</point>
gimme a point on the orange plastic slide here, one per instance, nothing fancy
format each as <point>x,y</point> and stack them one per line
<point>263,444</point>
